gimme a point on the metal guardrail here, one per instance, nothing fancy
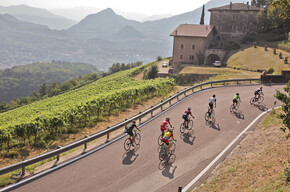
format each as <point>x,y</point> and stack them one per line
<point>57,152</point>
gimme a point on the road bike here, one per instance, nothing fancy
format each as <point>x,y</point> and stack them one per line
<point>128,142</point>
<point>183,126</point>
<point>210,116</point>
<point>233,107</point>
<point>163,151</point>
<point>160,138</point>
<point>255,99</point>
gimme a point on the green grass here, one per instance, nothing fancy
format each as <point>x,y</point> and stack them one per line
<point>251,58</point>
<point>222,73</point>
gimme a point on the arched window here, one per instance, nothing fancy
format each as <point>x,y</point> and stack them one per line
<point>191,57</point>
<point>193,47</point>
<point>181,46</point>
<point>181,57</point>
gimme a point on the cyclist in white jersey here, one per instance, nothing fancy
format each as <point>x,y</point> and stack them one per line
<point>212,101</point>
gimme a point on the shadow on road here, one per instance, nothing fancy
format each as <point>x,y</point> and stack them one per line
<point>167,168</point>
<point>129,157</point>
<point>261,106</point>
<point>187,137</point>
<point>213,125</point>
<point>239,114</point>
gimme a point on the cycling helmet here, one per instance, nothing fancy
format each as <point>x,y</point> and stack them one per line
<point>167,118</point>
<point>170,129</point>
<point>133,122</point>
<point>261,88</point>
<point>213,95</point>
<point>237,94</point>
<point>188,108</point>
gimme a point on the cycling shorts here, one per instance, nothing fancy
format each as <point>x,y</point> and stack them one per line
<point>235,100</point>
<point>211,105</point>
<point>185,117</point>
<point>130,133</point>
<point>165,141</point>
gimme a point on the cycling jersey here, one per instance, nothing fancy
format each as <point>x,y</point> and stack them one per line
<point>258,91</point>
<point>236,97</point>
<point>130,129</point>
<point>212,100</point>
<point>167,135</point>
<point>164,125</point>
<point>186,112</point>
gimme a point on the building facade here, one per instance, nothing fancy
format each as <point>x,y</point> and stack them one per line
<point>204,44</point>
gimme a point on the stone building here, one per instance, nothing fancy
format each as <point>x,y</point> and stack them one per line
<point>204,44</point>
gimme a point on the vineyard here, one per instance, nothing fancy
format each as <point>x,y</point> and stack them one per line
<point>52,117</point>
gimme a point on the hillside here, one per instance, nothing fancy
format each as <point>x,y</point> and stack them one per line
<point>37,16</point>
<point>21,81</point>
<point>250,58</point>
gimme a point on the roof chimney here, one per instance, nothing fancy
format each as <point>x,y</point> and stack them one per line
<point>248,5</point>
<point>175,32</point>
<point>231,5</point>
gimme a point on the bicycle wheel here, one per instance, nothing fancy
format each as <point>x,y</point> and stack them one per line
<point>160,140</point>
<point>207,116</point>
<point>237,105</point>
<point>182,127</point>
<point>172,148</point>
<point>162,153</point>
<point>261,99</point>
<point>232,108</point>
<point>253,100</point>
<point>127,144</point>
<point>212,114</point>
<point>190,124</point>
<point>137,138</point>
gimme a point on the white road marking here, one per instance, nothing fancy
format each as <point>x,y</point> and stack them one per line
<point>222,153</point>
<point>238,122</point>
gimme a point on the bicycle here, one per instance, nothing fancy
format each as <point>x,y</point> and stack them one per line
<point>233,107</point>
<point>160,138</point>
<point>128,142</point>
<point>255,99</point>
<point>183,125</point>
<point>209,115</point>
<point>163,151</point>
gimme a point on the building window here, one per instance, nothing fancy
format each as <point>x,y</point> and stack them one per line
<point>181,46</point>
<point>245,28</point>
<point>234,28</point>
<point>181,57</point>
<point>246,18</point>
<point>191,57</point>
<point>193,47</point>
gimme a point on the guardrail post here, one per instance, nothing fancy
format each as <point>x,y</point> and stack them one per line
<point>201,87</point>
<point>224,83</point>
<point>152,112</point>
<point>170,102</point>
<point>177,98</point>
<point>85,145</point>
<point>237,82</point>
<point>140,118</point>
<point>57,156</point>
<point>161,107</point>
<point>108,135</point>
<point>192,90</point>
<point>211,84</point>
<point>250,81</point>
<point>23,168</point>
<point>185,94</point>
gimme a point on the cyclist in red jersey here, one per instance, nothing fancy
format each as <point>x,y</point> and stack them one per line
<point>165,125</point>
<point>185,115</point>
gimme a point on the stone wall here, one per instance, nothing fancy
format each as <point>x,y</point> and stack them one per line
<point>284,78</point>
<point>187,79</point>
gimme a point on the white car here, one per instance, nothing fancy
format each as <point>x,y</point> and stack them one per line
<point>164,64</point>
<point>217,64</point>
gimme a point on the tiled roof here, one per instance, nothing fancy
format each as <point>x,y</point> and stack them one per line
<point>235,7</point>
<point>189,30</point>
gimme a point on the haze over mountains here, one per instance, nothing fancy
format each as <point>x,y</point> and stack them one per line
<point>102,38</point>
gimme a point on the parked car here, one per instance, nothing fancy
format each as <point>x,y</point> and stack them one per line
<point>164,64</point>
<point>217,64</point>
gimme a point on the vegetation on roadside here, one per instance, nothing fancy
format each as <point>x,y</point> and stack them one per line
<point>47,120</point>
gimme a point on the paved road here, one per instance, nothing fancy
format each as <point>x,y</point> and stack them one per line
<point>110,169</point>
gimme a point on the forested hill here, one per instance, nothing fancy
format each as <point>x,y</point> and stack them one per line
<point>21,81</point>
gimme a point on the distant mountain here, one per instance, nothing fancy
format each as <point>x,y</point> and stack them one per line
<point>128,32</point>
<point>37,16</point>
<point>157,17</point>
<point>21,81</point>
<point>76,13</point>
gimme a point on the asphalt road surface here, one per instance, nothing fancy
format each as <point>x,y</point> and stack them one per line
<point>111,169</point>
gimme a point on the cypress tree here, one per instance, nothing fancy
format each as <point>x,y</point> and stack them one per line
<point>202,16</point>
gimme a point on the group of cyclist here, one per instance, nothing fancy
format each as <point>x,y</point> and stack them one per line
<point>167,129</point>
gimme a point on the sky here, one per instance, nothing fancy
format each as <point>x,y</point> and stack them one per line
<point>146,7</point>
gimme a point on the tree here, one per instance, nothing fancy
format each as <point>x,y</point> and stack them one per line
<point>151,73</point>
<point>285,6</point>
<point>285,98</point>
<point>202,16</point>
<point>260,3</point>
<point>43,89</point>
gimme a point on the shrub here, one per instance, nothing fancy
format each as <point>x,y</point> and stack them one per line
<point>159,58</point>
<point>11,154</point>
<point>270,70</point>
<point>151,73</point>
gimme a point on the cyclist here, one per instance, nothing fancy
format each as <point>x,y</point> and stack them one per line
<point>236,98</point>
<point>212,101</point>
<point>185,116</point>
<point>130,131</point>
<point>165,125</point>
<point>258,92</point>
<point>167,136</point>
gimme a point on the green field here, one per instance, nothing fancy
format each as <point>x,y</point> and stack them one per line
<point>254,59</point>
